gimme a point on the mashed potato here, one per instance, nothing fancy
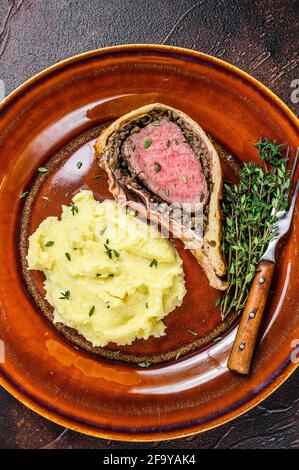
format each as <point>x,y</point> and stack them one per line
<point>108,274</point>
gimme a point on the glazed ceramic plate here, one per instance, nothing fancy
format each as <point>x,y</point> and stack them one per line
<point>53,120</point>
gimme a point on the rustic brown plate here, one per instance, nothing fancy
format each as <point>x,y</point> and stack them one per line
<point>194,325</point>
<point>54,118</point>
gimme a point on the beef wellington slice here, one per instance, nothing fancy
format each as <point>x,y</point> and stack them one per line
<point>162,164</point>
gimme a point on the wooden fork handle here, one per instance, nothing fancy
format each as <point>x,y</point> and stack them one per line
<point>243,348</point>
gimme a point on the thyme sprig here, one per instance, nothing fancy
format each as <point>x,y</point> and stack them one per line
<point>270,152</point>
<point>249,211</point>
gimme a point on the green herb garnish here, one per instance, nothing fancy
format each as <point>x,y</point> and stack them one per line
<point>184,179</point>
<point>91,311</point>
<point>103,231</point>
<point>144,364</point>
<point>218,302</point>
<point>154,262</point>
<point>108,251</point>
<point>68,256</point>
<point>116,253</point>
<point>65,295</point>
<point>45,198</point>
<point>157,167</point>
<point>176,141</point>
<point>192,332</point>
<point>166,191</point>
<point>74,209</point>
<point>178,354</point>
<point>269,152</point>
<point>146,305</point>
<point>147,143</point>
<point>249,211</point>
<point>42,169</point>
<point>79,165</point>
<point>97,177</point>
<point>49,243</point>
<point>24,194</point>
<point>168,143</point>
<point>156,123</point>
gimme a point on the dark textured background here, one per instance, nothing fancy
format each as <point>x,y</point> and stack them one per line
<point>260,37</point>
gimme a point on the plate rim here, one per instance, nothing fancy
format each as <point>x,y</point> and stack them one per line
<point>156,47</point>
<point>270,386</point>
<point>285,369</point>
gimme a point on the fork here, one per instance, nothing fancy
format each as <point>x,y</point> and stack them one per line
<point>240,357</point>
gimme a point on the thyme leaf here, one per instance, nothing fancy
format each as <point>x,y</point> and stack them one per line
<point>154,262</point>
<point>192,332</point>
<point>42,169</point>
<point>91,311</point>
<point>103,231</point>
<point>65,295</point>
<point>144,364</point>
<point>178,354</point>
<point>157,167</point>
<point>147,143</point>
<point>74,209</point>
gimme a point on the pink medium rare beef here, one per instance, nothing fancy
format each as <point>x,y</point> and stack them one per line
<point>165,162</point>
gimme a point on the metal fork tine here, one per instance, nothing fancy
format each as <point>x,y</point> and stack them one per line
<point>293,170</point>
<point>293,202</point>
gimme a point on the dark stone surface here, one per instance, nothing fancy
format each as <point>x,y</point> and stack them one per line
<point>260,37</point>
